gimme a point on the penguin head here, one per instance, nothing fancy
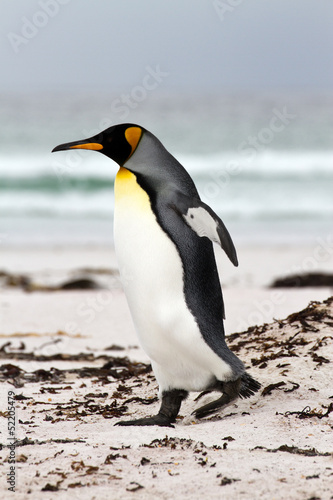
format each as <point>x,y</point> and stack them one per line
<point>118,142</point>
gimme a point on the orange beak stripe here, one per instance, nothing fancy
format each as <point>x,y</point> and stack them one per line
<point>90,145</point>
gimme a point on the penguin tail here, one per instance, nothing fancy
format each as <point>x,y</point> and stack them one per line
<point>249,386</point>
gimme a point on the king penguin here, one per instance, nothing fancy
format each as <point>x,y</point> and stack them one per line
<point>164,236</point>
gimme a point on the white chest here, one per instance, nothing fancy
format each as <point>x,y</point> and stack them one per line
<point>149,263</point>
<point>152,276</point>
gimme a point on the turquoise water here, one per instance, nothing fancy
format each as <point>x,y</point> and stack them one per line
<point>263,163</point>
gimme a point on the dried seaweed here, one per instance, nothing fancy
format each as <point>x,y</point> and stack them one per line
<point>304,280</point>
<point>27,441</point>
<point>24,282</point>
<point>115,367</point>
<point>314,312</point>
<point>171,443</point>
<point>268,390</point>
<point>226,480</point>
<point>51,487</point>
<point>31,356</point>
<point>295,386</point>
<point>312,452</point>
<point>319,359</point>
<point>308,413</point>
<point>263,339</point>
<point>135,486</point>
<point>180,443</point>
<point>143,401</point>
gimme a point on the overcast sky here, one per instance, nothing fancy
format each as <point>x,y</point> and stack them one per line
<point>196,44</point>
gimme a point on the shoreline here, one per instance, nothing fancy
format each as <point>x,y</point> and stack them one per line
<point>262,261</point>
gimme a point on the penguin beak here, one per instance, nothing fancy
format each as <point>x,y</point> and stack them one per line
<point>85,144</point>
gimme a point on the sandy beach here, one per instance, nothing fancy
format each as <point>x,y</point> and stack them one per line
<point>101,109</point>
<point>71,367</point>
<point>240,94</point>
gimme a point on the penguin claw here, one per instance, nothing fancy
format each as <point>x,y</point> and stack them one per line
<point>155,420</point>
<point>230,392</point>
<point>212,407</point>
<point>244,387</point>
<point>203,393</point>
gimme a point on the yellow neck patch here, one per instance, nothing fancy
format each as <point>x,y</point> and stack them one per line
<point>128,194</point>
<point>133,136</point>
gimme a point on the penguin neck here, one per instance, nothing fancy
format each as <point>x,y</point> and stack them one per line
<point>155,168</point>
<point>148,156</point>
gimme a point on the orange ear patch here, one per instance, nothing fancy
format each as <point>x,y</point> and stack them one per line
<point>133,136</point>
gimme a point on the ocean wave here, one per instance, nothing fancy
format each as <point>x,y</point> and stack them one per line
<point>87,173</point>
<point>99,205</point>
<point>268,163</point>
<point>94,205</point>
<point>51,184</point>
<point>273,185</point>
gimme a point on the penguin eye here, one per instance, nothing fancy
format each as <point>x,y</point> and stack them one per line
<point>100,138</point>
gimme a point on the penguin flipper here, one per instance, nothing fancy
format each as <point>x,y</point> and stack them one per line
<point>204,222</point>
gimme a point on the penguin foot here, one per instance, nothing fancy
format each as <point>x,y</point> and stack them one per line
<point>158,419</point>
<point>171,402</point>
<point>230,392</point>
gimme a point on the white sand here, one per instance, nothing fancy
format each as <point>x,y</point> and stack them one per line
<point>190,464</point>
